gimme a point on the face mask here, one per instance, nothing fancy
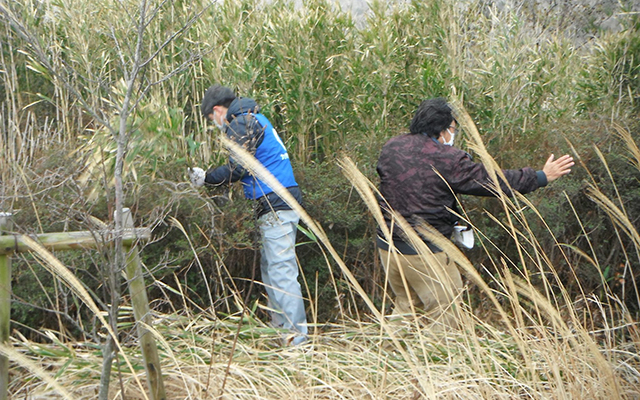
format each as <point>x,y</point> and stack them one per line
<point>216,123</point>
<point>450,142</point>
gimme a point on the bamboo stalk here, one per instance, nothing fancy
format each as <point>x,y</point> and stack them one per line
<point>71,240</point>
<point>140,304</point>
<point>5,306</point>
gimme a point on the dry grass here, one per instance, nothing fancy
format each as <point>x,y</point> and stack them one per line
<point>352,360</point>
<point>541,345</point>
<point>528,338</point>
<point>538,348</point>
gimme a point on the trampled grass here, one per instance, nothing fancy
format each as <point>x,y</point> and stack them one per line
<point>351,360</point>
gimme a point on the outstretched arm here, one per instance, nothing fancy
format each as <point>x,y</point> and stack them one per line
<point>554,169</point>
<point>217,176</point>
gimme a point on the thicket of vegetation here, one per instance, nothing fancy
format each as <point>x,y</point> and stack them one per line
<point>333,88</point>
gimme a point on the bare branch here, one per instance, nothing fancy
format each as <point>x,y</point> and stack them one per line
<point>155,12</point>
<point>168,76</point>
<point>120,54</point>
<point>175,34</point>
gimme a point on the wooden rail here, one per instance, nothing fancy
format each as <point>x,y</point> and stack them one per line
<point>72,240</point>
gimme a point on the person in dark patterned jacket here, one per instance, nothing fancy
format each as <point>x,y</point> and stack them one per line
<point>420,175</point>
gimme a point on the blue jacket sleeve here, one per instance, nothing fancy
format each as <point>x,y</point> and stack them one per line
<point>226,173</point>
<point>245,130</point>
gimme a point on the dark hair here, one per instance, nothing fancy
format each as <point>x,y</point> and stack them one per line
<point>216,95</point>
<point>432,117</point>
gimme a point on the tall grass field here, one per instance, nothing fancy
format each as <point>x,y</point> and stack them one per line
<point>101,110</point>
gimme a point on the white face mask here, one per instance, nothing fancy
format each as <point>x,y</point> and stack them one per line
<point>450,142</point>
<point>215,121</point>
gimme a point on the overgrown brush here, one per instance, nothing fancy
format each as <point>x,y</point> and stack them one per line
<point>561,265</point>
<point>542,345</point>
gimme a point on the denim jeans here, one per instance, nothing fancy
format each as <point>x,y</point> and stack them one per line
<point>279,269</point>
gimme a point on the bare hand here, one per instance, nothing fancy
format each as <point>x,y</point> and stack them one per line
<point>554,169</point>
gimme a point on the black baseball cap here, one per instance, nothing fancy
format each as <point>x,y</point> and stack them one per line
<point>215,96</point>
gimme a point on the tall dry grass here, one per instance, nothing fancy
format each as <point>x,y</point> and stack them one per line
<point>330,88</point>
<point>543,346</point>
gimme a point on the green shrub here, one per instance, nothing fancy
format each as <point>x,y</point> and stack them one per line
<point>332,87</point>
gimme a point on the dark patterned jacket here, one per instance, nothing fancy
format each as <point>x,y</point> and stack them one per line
<point>419,178</point>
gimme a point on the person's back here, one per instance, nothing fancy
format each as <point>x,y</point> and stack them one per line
<point>409,182</point>
<point>420,175</point>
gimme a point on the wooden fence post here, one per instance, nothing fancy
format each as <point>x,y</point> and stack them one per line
<point>76,240</point>
<point>140,303</point>
<point>5,306</point>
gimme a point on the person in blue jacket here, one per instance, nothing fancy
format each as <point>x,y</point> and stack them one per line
<point>240,119</point>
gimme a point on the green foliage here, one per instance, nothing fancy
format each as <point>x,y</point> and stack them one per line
<point>331,86</point>
<point>612,80</point>
<point>329,199</point>
<point>157,140</point>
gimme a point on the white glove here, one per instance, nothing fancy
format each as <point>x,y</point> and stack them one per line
<point>196,176</point>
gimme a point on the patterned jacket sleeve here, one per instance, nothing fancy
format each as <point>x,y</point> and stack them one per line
<point>468,177</point>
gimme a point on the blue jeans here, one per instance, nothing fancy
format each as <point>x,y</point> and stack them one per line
<point>279,269</point>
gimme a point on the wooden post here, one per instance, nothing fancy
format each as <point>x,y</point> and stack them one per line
<point>5,306</point>
<point>10,244</point>
<point>140,303</point>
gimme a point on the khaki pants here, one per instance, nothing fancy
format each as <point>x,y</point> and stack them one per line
<point>433,284</point>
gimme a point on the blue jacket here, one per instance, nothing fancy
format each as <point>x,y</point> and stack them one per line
<point>253,131</point>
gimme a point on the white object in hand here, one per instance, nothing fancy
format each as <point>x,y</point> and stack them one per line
<point>196,175</point>
<point>463,236</point>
